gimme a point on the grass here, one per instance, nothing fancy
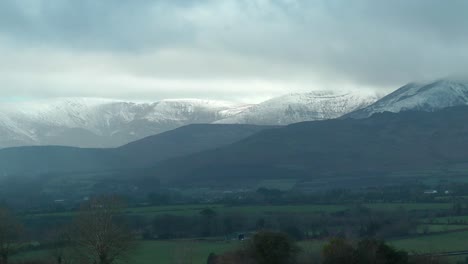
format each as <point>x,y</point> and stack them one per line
<point>177,251</point>
<point>32,255</point>
<point>280,184</point>
<point>440,238</point>
<point>455,241</point>
<point>440,228</point>
<point>173,210</point>
<point>180,251</point>
<point>194,209</point>
<point>410,206</point>
<point>150,252</point>
<point>190,251</point>
<point>448,220</point>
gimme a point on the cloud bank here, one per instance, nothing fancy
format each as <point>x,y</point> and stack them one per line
<point>242,50</point>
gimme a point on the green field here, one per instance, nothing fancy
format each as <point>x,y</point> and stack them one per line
<point>431,228</point>
<point>180,251</point>
<point>431,236</point>
<point>283,185</point>
<point>454,241</point>
<point>409,206</point>
<point>190,251</point>
<point>189,210</point>
<point>150,252</point>
<point>448,220</point>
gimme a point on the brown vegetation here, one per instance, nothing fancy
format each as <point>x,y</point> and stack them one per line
<point>98,235</point>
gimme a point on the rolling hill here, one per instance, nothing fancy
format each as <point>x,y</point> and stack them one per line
<point>380,145</point>
<point>143,153</point>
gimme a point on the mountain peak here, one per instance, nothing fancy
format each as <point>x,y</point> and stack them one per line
<point>431,96</point>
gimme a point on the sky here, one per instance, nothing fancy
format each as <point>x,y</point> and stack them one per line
<point>236,50</point>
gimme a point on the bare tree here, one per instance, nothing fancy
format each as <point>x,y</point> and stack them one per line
<point>99,236</point>
<point>10,230</point>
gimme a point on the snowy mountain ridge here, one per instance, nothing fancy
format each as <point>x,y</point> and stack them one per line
<point>299,107</point>
<point>89,122</point>
<point>419,96</point>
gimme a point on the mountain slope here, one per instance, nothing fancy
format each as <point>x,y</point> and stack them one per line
<point>422,97</point>
<point>183,141</point>
<point>103,123</point>
<point>384,143</point>
<point>143,153</point>
<point>294,108</point>
<point>100,123</point>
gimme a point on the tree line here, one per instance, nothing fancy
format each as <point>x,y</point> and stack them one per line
<point>278,248</point>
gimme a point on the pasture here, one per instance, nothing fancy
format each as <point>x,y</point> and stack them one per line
<point>432,235</point>
<point>194,209</point>
<point>197,251</point>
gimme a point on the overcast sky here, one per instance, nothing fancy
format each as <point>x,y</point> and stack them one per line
<point>243,50</point>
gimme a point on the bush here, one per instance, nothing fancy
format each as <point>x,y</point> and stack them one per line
<point>264,248</point>
<point>367,251</point>
<point>273,248</point>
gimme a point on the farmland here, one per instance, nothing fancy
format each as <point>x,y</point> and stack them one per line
<point>194,209</point>
<point>149,252</point>
<point>175,251</point>
<point>430,234</point>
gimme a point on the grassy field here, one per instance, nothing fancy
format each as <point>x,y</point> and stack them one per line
<point>190,251</point>
<point>454,241</point>
<point>428,228</point>
<point>448,220</point>
<point>180,251</point>
<point>439,237</point>
<point>150,252</point>
<point>188,210</point>
<point>409,206</point>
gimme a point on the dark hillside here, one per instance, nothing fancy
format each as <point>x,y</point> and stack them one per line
<point>381,144</point>
<point>140,154</point>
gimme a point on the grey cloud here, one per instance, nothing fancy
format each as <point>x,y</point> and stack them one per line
<point>90,24</point>
<point>300,43</point>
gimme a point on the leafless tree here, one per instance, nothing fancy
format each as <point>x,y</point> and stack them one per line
<point>99,236</point>
<point>10,230</point>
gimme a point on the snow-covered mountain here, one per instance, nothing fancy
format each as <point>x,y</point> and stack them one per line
<point>100,123</point>
<point>85,122</point>
<point>421,97</point>
<point>298,107</point>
